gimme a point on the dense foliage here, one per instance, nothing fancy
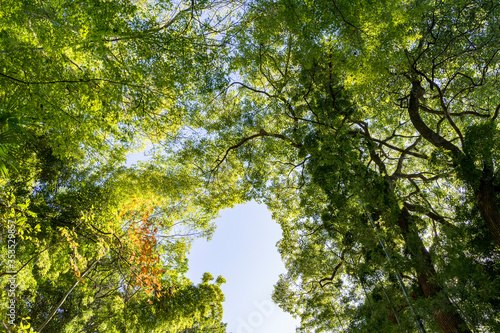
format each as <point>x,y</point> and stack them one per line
<point>97,246</point>
<point>370,129</point>
<point>371,132</point>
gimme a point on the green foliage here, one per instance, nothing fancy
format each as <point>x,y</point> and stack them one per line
<point>82,84</point>
<point>319,123</point>
<point>133,230</point>
<point>370,129</point>
<point>480,152</point>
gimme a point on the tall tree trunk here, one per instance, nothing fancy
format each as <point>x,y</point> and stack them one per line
<point>445,314</point>
<point>485,194</point>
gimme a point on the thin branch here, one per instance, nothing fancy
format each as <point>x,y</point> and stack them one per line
<point>496,112</point>
<point>36,255</point>
<point>388,145</point>
<point>431,214</point>
<point>71,81</point>
<point>345,21</point>
<point>7,329</point>
<point>403,155</point>
<point>417,175</point>
<point>329,279</point>
<point>250,88</point>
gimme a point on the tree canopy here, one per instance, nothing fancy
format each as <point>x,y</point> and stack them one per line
<point>99,246</point>
<point>370,130</point>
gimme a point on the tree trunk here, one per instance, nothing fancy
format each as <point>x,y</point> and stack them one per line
<point>445,314</point>
<point>485,194</point>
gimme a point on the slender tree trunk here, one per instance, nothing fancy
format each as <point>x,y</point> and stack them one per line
<point>444,312</point>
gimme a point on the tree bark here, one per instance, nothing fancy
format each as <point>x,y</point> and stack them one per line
<point>445,314</point>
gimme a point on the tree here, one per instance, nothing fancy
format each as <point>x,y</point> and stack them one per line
<point>371,134</point>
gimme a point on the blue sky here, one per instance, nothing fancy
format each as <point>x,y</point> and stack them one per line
<point>243,251</point>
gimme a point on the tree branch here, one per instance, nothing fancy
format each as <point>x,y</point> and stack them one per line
<point>454,114</point>
<point>433,215</point>
<point>366,134</point>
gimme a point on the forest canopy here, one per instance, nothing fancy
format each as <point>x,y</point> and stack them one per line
<point>370,130</point>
